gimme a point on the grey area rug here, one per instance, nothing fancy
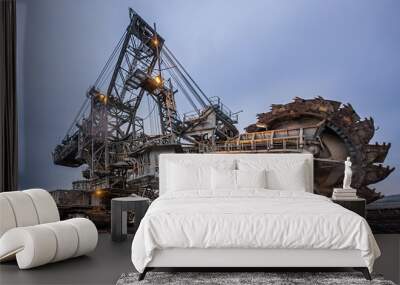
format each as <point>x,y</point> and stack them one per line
<point>229,278</point>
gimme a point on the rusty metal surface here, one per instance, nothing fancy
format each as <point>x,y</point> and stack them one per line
<point>343,133</point>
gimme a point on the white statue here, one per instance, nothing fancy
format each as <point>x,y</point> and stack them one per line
<point>347,174</point>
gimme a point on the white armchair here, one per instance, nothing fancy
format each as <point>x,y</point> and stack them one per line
<point>31,230</point>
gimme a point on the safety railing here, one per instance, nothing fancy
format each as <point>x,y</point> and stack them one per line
<point>272,140</point>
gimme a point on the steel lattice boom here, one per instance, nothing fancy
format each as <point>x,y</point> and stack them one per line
<point>113,137</point>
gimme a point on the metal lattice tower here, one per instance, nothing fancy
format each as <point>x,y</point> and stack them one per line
<point>115,141</point>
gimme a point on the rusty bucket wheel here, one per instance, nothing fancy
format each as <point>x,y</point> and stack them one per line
<point>341,133</point>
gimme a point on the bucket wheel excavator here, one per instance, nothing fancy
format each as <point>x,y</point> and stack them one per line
<point>134,111</point>
<point>338,132</point>
<point>131,115</point>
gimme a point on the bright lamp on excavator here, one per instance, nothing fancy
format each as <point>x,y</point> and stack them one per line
<point>158,79</point>
<point>155,41</point>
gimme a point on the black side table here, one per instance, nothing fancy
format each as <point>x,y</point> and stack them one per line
<point>357,205</point>
<point>119,215</point>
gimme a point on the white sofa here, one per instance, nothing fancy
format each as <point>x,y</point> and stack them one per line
<point>31,230</point>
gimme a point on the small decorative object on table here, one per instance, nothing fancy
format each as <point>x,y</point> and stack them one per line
<point>345,193</point>
<point>347,196</point>
<point>119,215</point>
<point>347,174</point>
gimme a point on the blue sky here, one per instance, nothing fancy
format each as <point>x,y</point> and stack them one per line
<point>250,53</point>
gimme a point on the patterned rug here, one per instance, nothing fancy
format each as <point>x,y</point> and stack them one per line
<point>236,278</point>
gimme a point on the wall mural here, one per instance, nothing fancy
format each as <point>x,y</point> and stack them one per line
<point>121,148</point>
<point>332,131</point>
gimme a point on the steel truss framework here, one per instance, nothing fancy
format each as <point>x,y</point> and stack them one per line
<point>109,136</point>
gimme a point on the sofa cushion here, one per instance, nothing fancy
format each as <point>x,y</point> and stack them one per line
<point>23,208</point>
<point>45,205</point>
<point>67,240</point>
<point>7,218</point>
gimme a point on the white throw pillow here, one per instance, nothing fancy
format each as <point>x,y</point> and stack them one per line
<point>292,178</point>
<point>188,177</point>
<point>251,178</point>
<point>282,174</point>
<point>223,179</point>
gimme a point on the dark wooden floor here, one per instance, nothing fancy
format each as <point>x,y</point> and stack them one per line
<point>110,259</point>
<point>103,266</point>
